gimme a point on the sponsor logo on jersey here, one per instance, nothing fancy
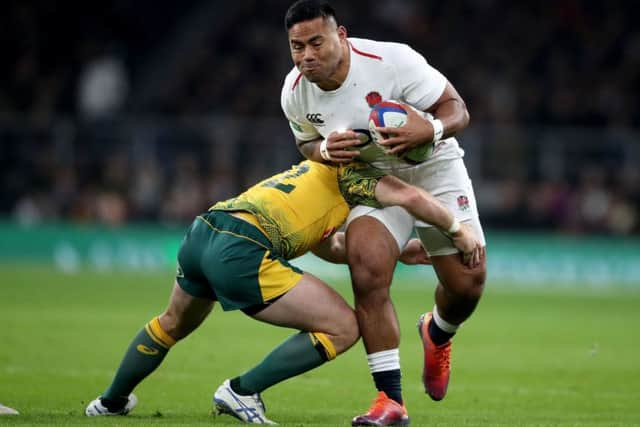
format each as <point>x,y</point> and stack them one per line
<point>147,350</point>
<point>463,203</point>
<point>373,98</point>
<point>315,118</point>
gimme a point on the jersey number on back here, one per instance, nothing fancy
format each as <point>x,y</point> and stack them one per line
<point>291,174</point>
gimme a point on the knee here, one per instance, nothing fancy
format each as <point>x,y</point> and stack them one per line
<point>347,333</point>
<point>369,276</point>
<point>470,286</point>
<point>173,325</point>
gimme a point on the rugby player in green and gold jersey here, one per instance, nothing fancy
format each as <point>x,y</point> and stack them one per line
<point>238,254</point>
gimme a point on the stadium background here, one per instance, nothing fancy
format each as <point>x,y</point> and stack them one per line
<point>120,121</point>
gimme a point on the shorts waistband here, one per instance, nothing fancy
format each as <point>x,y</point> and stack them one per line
<point>225,221</point>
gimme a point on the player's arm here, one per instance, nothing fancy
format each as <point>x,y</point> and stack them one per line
<point>333,149</point>
<point>451,110</point>
<point>334,250</point>
<point>391,191</point>
<point>414,253</point>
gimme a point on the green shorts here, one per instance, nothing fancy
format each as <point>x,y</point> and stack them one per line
<point>227,259</point>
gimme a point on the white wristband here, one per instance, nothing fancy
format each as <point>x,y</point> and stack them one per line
<point>455,227</point>
<point>324,153</point>
<point>438,129</point>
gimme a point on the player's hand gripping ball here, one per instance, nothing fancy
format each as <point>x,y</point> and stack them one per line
<point>394,114</point>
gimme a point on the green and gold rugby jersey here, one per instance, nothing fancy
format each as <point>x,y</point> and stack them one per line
<point>300,207</point>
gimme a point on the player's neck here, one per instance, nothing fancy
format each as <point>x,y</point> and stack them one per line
<point>341,73</point>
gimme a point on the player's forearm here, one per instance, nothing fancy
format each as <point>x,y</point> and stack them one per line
<point>427,208</point>
<point>451,110</point>
<point>332,249</point>
<point>454,116</point>
<point>391,191</point>
<point>310,149</point>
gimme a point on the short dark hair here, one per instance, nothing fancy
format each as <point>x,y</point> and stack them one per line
<point>306,10</point>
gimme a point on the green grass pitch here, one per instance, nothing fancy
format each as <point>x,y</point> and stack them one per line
<point>527,357</point>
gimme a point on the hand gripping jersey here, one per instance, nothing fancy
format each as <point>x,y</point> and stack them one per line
<point>378,71</point>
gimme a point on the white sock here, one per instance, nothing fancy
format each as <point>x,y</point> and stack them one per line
<point>443,324</point>
<point>386,360</point>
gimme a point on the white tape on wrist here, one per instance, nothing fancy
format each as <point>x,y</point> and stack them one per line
<point>324,152</point>
<point>438,129</point>
<point>455,227</point>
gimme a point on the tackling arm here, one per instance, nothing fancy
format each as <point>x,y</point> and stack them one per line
<point>334,250</point>
<point>423,206</point>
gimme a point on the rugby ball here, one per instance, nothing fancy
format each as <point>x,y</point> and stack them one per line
<point>394,114</point>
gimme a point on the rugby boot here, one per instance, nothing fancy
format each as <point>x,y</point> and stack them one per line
<point>97,409</point>
<point>249,409</point>
<point>383,412</point>
<point>437,361</point>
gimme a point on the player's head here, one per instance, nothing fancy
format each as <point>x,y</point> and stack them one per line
<point>315,39</point>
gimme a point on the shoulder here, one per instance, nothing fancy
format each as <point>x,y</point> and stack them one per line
<point>291,83</point>
<point>387,52</point>
<point>291,80</point>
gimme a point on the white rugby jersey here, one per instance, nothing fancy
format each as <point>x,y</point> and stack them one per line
<point>378,71</point>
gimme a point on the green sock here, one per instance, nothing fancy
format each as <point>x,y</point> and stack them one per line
<point>143,356</point>
<point>296,355</point>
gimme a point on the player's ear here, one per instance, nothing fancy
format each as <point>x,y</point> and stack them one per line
<point>342,32</point>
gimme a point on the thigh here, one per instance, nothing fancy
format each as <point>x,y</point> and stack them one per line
<point>310,305</point>
<point>436,243</point>
<point>395,219</point>
<point>372,253</point>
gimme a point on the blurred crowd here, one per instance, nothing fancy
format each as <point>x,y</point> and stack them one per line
<point>124,111</point>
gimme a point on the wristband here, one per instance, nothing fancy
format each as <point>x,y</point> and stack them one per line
<point>438,129</point>
<point>324,153</point>
<point>454,228</point>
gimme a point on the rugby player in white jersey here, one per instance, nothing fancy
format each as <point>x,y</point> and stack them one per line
<point>327,98</point>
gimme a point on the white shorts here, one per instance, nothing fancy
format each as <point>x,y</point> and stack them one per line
<point>446,180</point>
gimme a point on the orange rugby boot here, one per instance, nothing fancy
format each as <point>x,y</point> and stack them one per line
<point>437,361</point>
<point>383,412</point>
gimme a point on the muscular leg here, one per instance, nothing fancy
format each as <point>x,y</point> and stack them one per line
<point>459,288</point>
<point>372,253</point>
<point>184,313</point>
<point>457,294</point>
<point>328,328</point>
<point>148,349</point>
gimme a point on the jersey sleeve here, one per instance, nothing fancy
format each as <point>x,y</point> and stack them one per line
<point>421,84</point>
<point>300,126</point>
